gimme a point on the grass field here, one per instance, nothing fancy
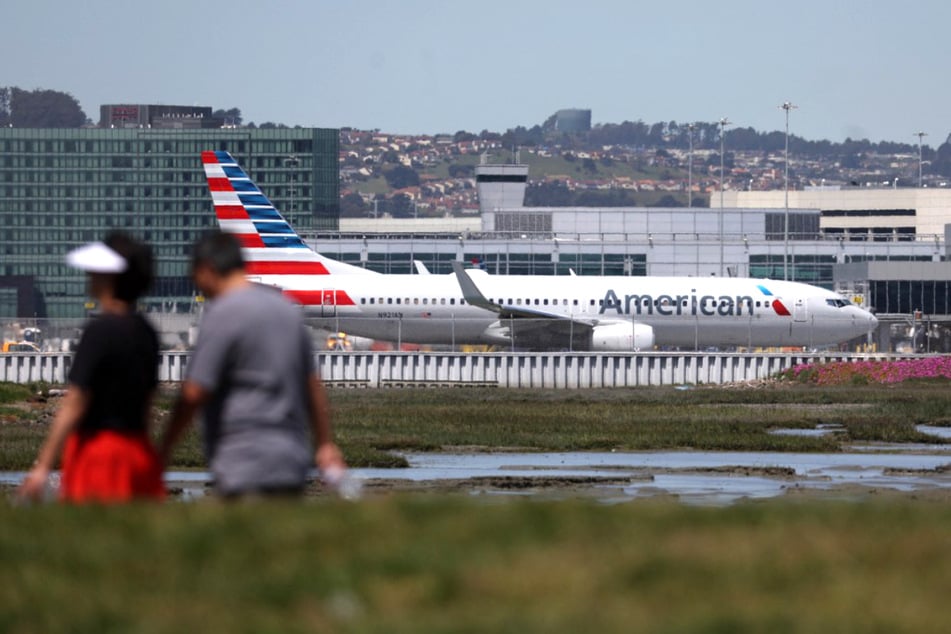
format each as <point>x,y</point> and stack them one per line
<point>372,424</point>
<point>454,564</point>
<point>440,562</point>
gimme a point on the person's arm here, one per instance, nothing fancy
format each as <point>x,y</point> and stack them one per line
<point>191,397</point>
<point>70,412</point>
<point>326,455</point>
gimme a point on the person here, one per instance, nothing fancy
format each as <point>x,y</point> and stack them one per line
<point>101,426</point>
<point>252,372</point>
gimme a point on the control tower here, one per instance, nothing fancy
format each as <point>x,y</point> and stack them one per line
<point>501,186</point>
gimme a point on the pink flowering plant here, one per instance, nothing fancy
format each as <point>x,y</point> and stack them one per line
<point>863,372</point>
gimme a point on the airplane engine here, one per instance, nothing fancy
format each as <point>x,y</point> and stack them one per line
<point>622,337</point>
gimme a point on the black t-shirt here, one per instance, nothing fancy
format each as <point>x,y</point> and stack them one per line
<point>116,362</point>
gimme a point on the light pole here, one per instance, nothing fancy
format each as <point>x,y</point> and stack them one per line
<point>690,128</point>
<point>920,135</point>
<point>723,123</point>
<point>787,106</point>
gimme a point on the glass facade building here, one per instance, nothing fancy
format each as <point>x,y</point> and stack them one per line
<point>61,188</point>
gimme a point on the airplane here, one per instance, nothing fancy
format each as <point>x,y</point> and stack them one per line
<point>525,312</point>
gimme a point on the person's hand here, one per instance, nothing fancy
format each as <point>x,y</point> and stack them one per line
<point>34,485</point>
<point>329,458</point>
<point>334,472</point>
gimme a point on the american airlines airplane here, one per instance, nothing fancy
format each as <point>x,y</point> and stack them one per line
<point>469,306</point>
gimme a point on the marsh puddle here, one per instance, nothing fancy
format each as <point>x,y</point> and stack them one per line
<point>693,477</point>
<point>818,430</point>
<point>938,432</point>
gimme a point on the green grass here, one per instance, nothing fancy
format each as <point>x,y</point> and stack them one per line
<point>634,419</point>
<point>371,424</point>
<point>14,393</point>
<point>453,564</point>
<point>541,166</point>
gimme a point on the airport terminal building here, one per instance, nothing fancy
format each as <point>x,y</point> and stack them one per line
<point>60,188</point>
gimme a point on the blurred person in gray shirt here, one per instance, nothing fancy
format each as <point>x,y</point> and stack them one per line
<point>253,373</point>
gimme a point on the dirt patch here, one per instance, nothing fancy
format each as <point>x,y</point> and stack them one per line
<point>37,409</point>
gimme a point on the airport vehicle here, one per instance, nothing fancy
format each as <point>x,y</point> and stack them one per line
<point>526,312</point>
<point>19,346</point>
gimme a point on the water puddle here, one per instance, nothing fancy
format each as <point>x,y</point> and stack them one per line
<point>939,432</point>
<point>693,477</point>
<point>824,429</point>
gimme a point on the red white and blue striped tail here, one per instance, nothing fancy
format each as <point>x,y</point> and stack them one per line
<point>270,244</point>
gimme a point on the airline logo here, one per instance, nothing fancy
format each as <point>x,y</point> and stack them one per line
<point>692,304</point>
<point>777,305</point>
<point>271,246</point>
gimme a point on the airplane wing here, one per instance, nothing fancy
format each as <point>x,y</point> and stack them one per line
<point>530,327</point>
<point>474,297</point>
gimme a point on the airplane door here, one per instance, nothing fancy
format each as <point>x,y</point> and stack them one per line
<point>799,310</point>
<point>328,303</point>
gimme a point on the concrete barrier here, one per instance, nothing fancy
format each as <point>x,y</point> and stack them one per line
<point>519,370</point>
<point>34,367</point>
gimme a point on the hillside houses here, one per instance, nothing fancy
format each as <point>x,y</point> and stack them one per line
<point>444,182</point>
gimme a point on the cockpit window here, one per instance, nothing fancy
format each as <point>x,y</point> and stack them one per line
<point>837,302</point>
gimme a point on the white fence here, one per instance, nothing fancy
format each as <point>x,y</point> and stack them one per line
<point>525,370</point>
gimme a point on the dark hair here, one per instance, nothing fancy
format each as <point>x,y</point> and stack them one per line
<point>132,283</point>
<point>219,251</point>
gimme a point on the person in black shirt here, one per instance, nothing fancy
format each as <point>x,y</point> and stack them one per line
<point>104,417</point>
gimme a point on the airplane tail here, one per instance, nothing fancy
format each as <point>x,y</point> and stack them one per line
<point>270,244</point>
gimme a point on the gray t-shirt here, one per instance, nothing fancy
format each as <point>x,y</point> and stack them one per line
<point>254,355</point>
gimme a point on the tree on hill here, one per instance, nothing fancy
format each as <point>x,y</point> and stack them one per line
<point>352,206</point>
<point>548,194</point>
<point>40,109</point>
<point>461,171</point>
<point>941,164</point>
<point>4,106</point>
<point>401,176</point>
<point>231,116</point>
<point>401,206</point>
<point>523,137</point>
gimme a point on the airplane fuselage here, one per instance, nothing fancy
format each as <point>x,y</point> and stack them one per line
<point>431,309</point>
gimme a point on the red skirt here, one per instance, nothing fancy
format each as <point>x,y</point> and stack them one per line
<point>110,466</point>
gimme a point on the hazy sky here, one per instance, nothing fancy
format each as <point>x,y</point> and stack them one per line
<point>871,69</point>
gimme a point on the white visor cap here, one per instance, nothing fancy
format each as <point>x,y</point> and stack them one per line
<point>96,257</point>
